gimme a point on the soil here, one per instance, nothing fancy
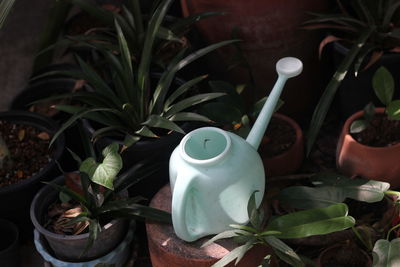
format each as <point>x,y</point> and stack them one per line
<point>279,137</point>
<point>381,132</point>
<point>345,256</point>
<point>29,150</point>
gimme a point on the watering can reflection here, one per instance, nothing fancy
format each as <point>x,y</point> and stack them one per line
<point>213,173</point>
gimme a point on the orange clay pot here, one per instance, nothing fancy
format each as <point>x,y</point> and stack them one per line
<point>166,249</point>
<point>289,161</point>
<point>375,163</point>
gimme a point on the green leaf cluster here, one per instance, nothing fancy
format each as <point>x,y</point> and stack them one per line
<point>124,97</point>
<point>299,224</point>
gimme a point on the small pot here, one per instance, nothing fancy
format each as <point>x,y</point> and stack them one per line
<point>9,244</point>
<point>290,160</point>
<point>70,247</point>
<point>331,253</point>
<point>117,257</point>
<point>375,163</point>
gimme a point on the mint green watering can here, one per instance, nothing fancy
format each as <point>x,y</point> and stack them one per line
<point>213,172</point>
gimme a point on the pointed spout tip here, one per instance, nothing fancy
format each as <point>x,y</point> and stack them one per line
<point>289,67</point>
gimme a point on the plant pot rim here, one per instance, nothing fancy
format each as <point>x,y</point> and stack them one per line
<point>44,231</point>
<point>298,133</point>
<point>355,116</point>
<point>51,126</point>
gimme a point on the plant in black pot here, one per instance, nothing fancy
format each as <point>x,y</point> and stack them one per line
<point>88,221</point>
<point>370,28</point>
<point>129,106</point>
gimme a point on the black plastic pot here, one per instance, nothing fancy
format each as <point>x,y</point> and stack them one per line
<point>9,244</point>
<point>70,247</point>
<point>355,93</point>
<point>15,199</point>
<point>53,87</point>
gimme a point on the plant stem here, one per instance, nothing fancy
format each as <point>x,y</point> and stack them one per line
<point>327,97</point>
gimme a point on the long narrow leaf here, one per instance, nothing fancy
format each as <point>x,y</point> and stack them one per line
<point>327,97</point>
<point>161,122</point>
<point>191,101</point>
<point>5,8</point>
<point>183,89</point>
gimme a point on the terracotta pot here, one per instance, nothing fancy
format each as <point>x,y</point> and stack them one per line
<point>331,253</point>
<point>290,160</point>
<point>270,30</point>
<point>375,163</point>
<point>166,249</point>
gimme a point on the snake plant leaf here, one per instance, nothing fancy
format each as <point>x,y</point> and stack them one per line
<point>167,77</point>
<point>151,33</point>
<point>5,8</point>
<point>312,222</point>
<point>162,122</point>
<point>236,254</point>
<point>386,253</point>
<point>183,89</point>
<point>104,173</point>
<point>190,102</point>
<point>326,99</point>
<point>283,251</point>
<point>383,84</point>
<point>189,116</point>
<point>393,110</point>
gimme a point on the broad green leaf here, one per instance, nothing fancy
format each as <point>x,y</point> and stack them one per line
<point>283,251</point>
<point>386,253</point>
<point>393,110</point>
<point>236,253</point>
<point>326,99</point>
<point>158,121</point>
<point>312,222</point>
<point>104,173</point>
<point>383,84</point>
<point>358,126</point>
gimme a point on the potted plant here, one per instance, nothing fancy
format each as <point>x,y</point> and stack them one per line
<point>369,27</point>
<point>26,160</point>
<point>85,224</point>
<point>129,106</point>
<point>368,145</point>
<point>282,146</point>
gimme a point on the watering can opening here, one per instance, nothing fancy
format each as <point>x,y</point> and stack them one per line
<point>205,145</point>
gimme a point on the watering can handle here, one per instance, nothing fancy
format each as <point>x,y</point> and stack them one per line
<point>180,196</point>
<point>286,68</point>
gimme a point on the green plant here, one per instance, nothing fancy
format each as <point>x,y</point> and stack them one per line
<point>293,225</point>
<point>97,192</point>
<point>230,111</point>
<point>383,84</point>
<point>124,99</point>
<point>371,26</point>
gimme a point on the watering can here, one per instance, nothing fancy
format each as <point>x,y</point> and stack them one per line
<point>213,172</point>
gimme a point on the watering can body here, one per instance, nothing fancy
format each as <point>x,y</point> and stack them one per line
<point>213,173</point>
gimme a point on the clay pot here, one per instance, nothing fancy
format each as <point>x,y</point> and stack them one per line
<point>166,249</point>
<point>375,163</point>
<point>269,30</point>
<point>289,161</point>
<point>344,252</point>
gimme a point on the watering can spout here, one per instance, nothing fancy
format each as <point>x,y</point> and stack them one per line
<point>286,68</point>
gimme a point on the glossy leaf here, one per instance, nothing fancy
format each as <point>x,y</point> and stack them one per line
<point>158,121</point>
<point>383,84</point>
<point>393,110</point>
<point>386,253</point>
<point>312,222</point>
<point>189,116</point>
<point>183,89</point>
<point>190,102</point>
<point>358,126</point>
